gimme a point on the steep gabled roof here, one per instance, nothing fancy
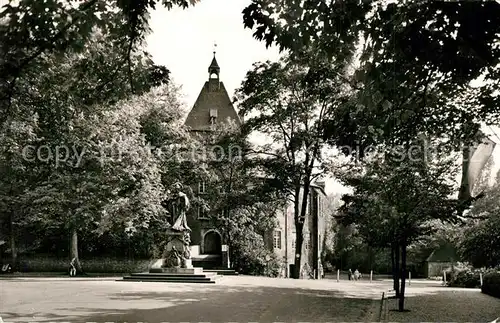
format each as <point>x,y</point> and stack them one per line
<point>213,96</point>
<point>198,118</point>
<point>213,65</point>
<point>446,253</point>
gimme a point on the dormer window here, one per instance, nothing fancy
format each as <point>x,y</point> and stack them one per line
<point>213,117</point>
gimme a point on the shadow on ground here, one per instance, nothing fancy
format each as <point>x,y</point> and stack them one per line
<point>457,305</point>
<point>215,304</point>
<point>263,304</point>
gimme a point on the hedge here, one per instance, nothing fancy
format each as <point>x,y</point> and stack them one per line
<point>491,284</point>
<point>465,278</point>
<point>95,265</point>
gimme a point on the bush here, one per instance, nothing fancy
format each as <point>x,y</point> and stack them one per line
<point>452,272</point>
<point>466,278</point>
<point>250,255</point>
<point>463,275</point>
<point>491,283</point>
<point>258,262</point>
<point>95,265</point>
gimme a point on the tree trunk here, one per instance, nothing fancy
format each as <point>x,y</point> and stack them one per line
<point>298,249</point>
<point>300,220</point>
<point>298,233</point>
<point>403,278</point>
<point>393,266</point>
<point>396,269</point>
<point>74,250</point>
<point>13,245</point>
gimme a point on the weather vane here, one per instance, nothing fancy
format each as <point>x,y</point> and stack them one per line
<point>215,47</point>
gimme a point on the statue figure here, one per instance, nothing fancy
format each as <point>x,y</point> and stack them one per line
<point>173,259</point>
<point>187,248</point>
<point>180,205</point>
<point>177,250</point>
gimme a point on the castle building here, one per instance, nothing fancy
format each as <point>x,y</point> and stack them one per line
<point>212,108</point>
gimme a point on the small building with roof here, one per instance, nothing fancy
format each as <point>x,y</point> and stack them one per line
<point>439,260</point>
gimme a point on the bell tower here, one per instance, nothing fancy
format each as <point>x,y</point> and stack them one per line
<point>213,105</point>
<point>213,75</point>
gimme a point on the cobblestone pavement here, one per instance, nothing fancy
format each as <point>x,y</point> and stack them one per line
<point>236,299</point>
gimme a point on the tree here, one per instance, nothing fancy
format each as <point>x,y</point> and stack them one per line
<point>117,182</point>
<point>479,242</point>
<point>332,203</point>
<point>59,101</point>
<point>281,103</point>
<point>62,65</point>
<point>64,27</point>
<point>395,201</point>
<point>408,65</point>
<point>236,199</point>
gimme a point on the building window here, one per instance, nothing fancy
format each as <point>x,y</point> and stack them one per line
<point>277,239</point>
<point>307,244</point>
<point>201,188</point>
<point>213,117</point>
<point>202,213</point>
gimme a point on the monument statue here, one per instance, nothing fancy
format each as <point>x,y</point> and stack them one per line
<point>179,205</point>
<point>177,252</point>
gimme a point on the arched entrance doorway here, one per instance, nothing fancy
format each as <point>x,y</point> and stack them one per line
<point>212,243</point>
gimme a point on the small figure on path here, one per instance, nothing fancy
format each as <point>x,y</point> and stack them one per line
<point>349,274</point>
<point>72,268</point>
<point>357,275</point>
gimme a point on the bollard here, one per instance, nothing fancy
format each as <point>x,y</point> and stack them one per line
<point>371,275</point>
<point>444,276</point>
<point>381,307</point>
<point>481,278</point>
<point>409,278</point>
<point>338,275</point>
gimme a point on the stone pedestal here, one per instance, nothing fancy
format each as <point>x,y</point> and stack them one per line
<point>181,271</point>
<point>189,263</point>
<point>177,253</point>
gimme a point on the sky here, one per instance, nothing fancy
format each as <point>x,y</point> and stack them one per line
<point>183,41</point>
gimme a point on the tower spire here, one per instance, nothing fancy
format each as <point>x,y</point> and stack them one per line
<point>214,67</point>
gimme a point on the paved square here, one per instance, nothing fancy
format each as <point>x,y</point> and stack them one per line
<point>241,299</point>
<point>235,299</point>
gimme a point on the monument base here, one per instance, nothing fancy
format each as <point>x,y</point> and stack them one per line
<point>174,275</point>
<point>181,271</point>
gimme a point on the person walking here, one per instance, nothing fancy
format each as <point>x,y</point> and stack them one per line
<point>72,268</point>
<point>349,274</point>
<point>357,275</point>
